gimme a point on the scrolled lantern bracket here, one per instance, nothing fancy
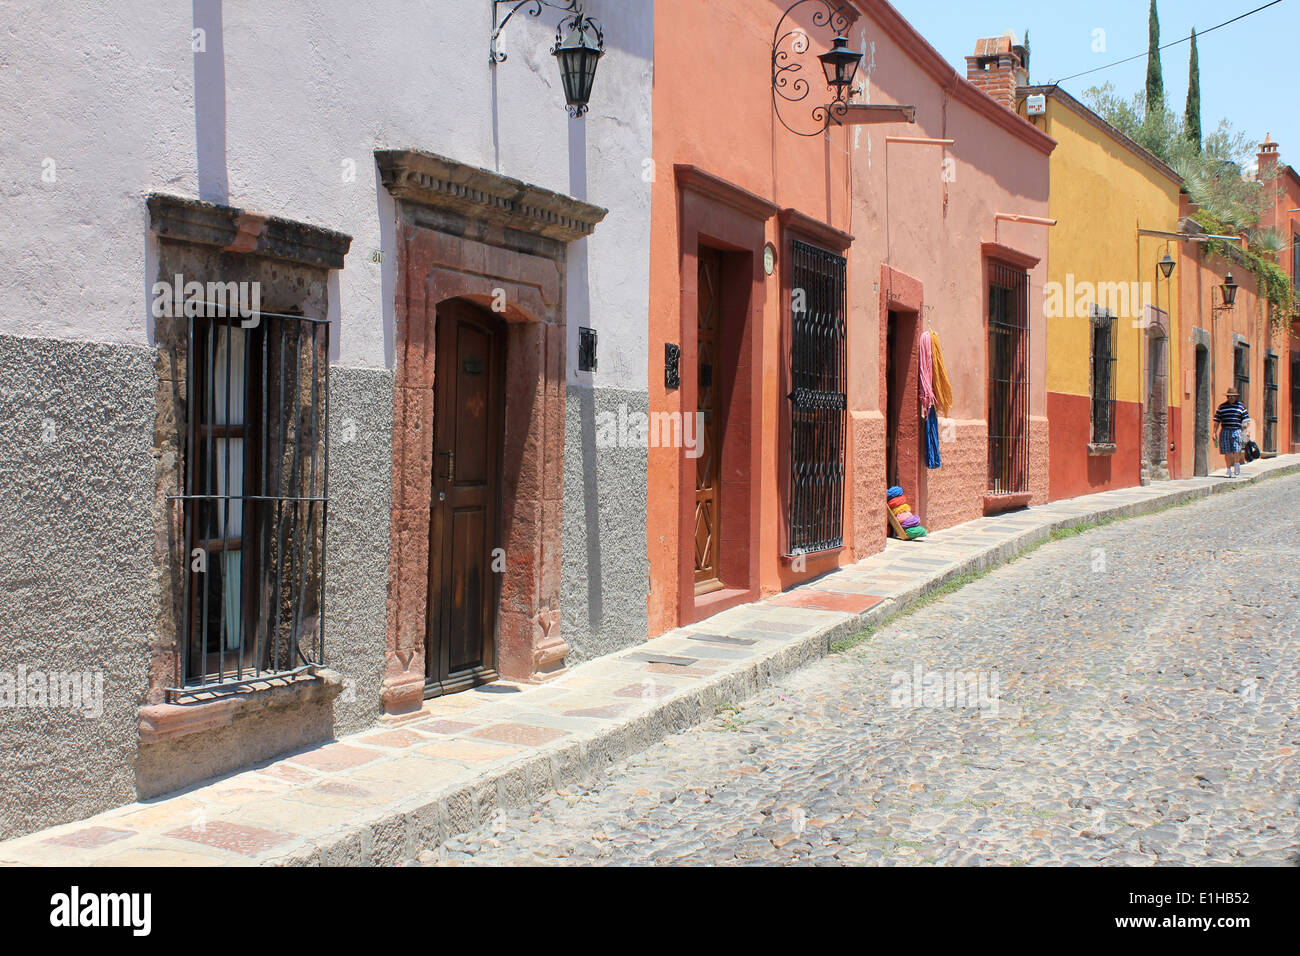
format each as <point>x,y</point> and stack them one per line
<point>789,47</point>
<point>576,52</point>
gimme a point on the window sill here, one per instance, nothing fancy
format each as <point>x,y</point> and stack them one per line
<point>1095,449</point>
<point>998,503</point>
<point>204,712</point>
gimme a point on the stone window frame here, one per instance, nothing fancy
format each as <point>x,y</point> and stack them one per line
<point>291,261</point>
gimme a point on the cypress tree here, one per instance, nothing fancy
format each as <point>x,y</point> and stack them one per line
<point>1192,125</point>
<point>1155,78</point>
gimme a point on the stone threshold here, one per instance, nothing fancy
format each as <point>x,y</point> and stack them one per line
<point>381,796</point>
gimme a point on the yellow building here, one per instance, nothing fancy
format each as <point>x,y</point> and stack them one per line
<point>1111,312</point>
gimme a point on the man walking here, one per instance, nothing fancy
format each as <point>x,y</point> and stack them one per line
<point>1230,420</point>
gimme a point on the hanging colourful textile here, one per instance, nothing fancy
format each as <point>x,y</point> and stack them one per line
<point>932,459</point>
<point>939,377</point>
<point>894,492</point>
<point>926,368</point>
<point>917,532</point>
<point>909,521</point>
<point>900,510</point>
<point>900,500</point>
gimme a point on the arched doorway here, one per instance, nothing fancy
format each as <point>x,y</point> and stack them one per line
<point>465,554</point>
<point>469,240</point>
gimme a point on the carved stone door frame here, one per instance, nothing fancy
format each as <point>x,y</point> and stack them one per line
<point>468,233</point>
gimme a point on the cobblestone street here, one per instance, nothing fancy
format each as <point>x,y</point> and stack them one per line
<point>1144,712</point>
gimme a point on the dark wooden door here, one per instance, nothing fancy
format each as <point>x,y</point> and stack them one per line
<point>464,528</point>
<point>707,485</point>
<point>1201,432</point>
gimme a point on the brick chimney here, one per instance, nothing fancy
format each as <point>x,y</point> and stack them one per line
<point>1267,156</point>
<point>998,68</point>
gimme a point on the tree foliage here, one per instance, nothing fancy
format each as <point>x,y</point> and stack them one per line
<point>1155,76</point>
<point>1192,115</point>
<point>1211,170</point>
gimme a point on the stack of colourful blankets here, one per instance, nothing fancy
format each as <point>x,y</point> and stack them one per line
<point>909,522</point>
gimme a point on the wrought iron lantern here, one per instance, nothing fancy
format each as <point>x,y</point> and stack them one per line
<point>1166,265</point>
<point>841,65</point>
<point>1229,290</point>
<point>578,54</point>
<point>579,45</point>
<point>790,48</point>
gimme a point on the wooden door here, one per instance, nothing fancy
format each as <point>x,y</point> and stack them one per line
<point>464,527</point>
<point>1201,428</point>
<point>708,347</point>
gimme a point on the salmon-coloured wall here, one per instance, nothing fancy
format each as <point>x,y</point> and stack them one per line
<point>1201,276</point>
<point>925,212</point>
<point>727,130</point>
<point>1281,214</point>
<point>937,225</point>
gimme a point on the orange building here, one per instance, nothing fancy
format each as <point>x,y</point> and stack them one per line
<point>1239,343</point>
<point>791,276</point>
<point>1283,215</point>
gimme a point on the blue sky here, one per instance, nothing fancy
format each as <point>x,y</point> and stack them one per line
<point>1250,71</point>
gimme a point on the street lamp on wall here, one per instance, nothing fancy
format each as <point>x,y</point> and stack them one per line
<point>578,54</point>
<point>1228,291</point>
<point>579,45</point>
<point>840,65</point>
<point>1166,265</point>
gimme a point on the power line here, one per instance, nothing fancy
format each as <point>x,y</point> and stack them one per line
<point>1168,45</point>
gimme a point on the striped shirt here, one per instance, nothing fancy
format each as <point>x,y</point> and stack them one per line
<point>1231,415</point>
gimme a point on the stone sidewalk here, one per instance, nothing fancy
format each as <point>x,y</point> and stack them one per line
<point>380,796</point>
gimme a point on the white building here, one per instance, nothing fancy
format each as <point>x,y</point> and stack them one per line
<point>190,501</point>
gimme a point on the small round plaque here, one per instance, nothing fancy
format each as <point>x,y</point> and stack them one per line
<point>769,258</point>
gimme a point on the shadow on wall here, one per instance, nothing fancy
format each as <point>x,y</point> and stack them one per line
<point>208,45</point>
<point>578,314</point>
<point>386,208</point>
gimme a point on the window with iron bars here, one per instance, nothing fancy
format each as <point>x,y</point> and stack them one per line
<point>1008,395</point>
<point>818,398</point>
<point>1270,403</point>
<point>1104,355</point>
<point>1241,373</point>
<point>254,441</point>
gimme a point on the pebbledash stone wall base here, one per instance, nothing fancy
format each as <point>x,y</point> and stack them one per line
<point>78,579</point>
<point>604,580</point>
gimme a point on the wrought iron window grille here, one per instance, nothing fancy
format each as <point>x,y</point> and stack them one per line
<point>1270,402</point>
<point>1241,372</point>
<point>1008,394</point>
<point>818,399</point>
<point>1104,359</point>
<point>254,450</point>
